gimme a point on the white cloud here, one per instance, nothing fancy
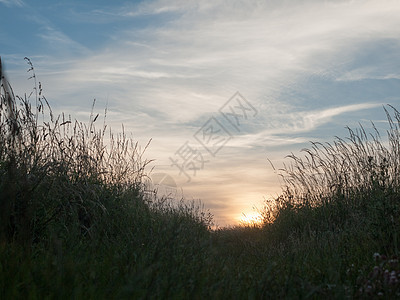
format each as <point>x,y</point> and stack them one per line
<point>151,8</point>
<point>291,126</point>
<point>10,3</point>
<point>316,118</point>
<point>60,42</point>
<point>366,73</point>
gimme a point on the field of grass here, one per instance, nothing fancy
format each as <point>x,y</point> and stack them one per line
<point>75,221</point>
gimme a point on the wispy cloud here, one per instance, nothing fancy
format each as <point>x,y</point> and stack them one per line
<point>154,8</point>
<point>10,3</point>
<point>367,73</point>
<point>313,119</point>
<point>60,42</point>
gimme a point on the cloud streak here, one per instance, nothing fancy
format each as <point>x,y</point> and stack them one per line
<point>10,3</point>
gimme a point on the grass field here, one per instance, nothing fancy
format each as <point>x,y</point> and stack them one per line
<point>76,223</point>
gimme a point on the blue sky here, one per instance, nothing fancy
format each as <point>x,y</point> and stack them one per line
<point>166,68</point>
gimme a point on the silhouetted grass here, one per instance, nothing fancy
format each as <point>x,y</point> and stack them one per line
<point>74,218</point>
<point>76,221</point>
<point>339,206</point>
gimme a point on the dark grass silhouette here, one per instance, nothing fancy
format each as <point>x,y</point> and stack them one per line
<point>76,221</point>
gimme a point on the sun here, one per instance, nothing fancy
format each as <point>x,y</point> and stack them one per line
<point>251,218</point>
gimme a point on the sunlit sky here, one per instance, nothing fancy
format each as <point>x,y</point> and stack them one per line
<point>171,70</point>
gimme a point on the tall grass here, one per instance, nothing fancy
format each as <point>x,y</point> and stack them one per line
<point>360,172</point>
<point>74,216</point>
<point>57,169</point>
<point>340,203</point>
<point>359,164</point>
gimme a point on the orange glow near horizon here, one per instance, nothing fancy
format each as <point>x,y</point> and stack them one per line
<point>251,218</point>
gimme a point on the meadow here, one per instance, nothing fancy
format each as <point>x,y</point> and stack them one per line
<point>76,221</point>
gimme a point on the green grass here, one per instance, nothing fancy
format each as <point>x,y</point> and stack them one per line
<point>75,221</point>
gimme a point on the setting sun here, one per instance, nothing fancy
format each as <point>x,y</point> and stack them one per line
<point>251,218</point>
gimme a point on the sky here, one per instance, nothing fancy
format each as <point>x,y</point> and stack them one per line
<point>219,86</point>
